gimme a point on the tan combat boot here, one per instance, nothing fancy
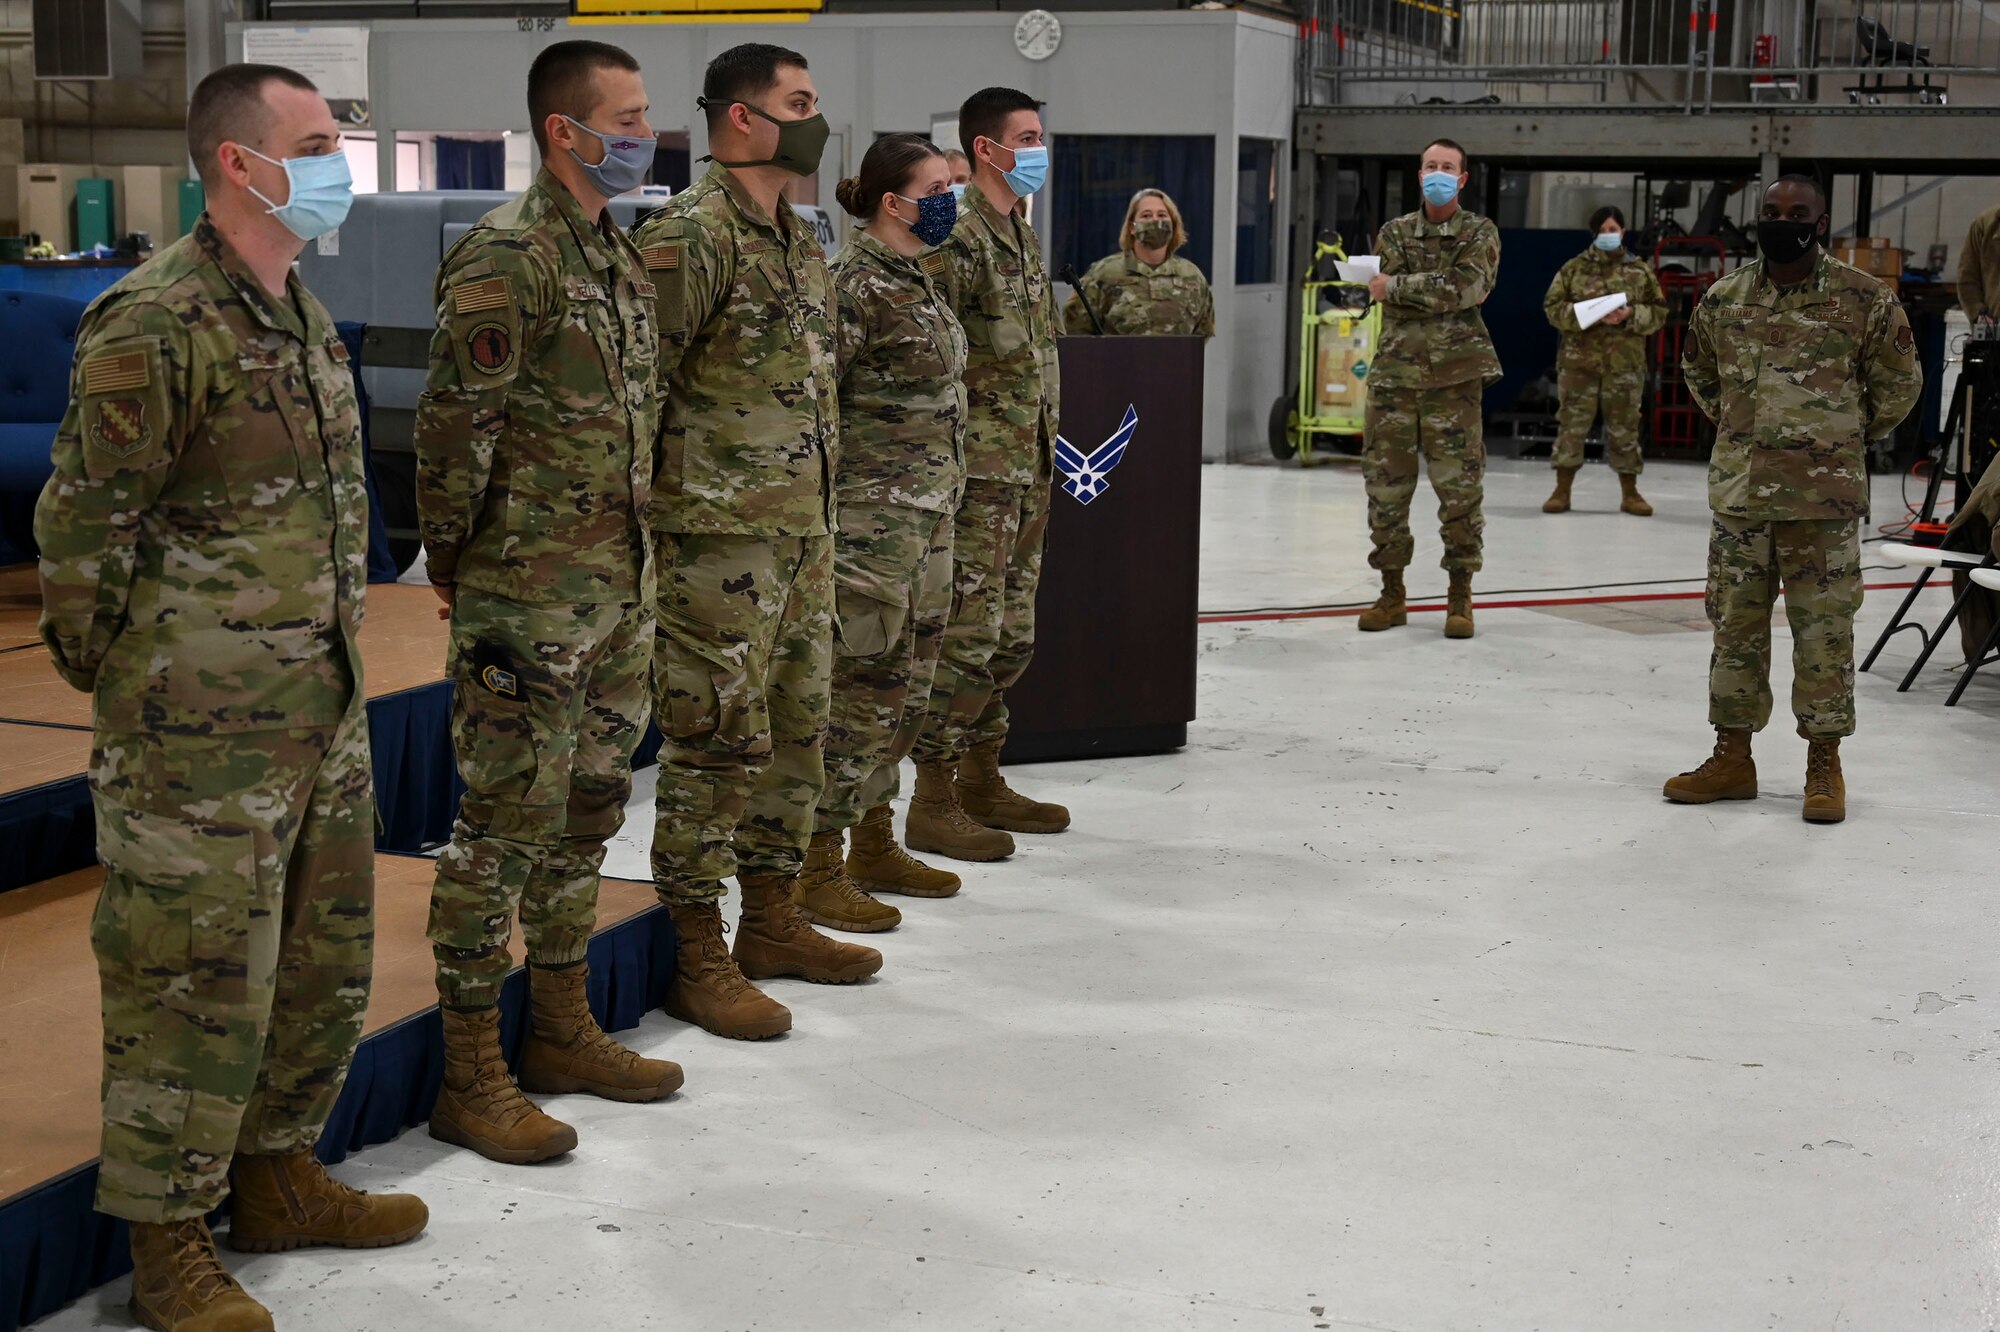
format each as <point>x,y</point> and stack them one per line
<point>278,1203</point>
<point>480,1107</point>
<point>1826,789</point>
<point>566,1051</point>
<point>1634,503</point>
<point>180,1285</point>
<point>709,989</point>
<point>1391,610</point>
<point>1727,774</point>
<point>828,897</point>
<point>773,939</point>
<point>984,794</point>
<point>1458,606</point>
<point>1559,502</point>
<point>939,824</point>
<point>879,865</point>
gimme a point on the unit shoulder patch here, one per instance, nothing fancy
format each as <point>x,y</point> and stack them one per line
<point>1906,341</point>
<point>118,426</point>
<point>491,347</point>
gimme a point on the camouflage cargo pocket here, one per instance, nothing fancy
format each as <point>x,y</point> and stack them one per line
<point>866,626</point>
<point>188,913</point>
<point>700,703</point>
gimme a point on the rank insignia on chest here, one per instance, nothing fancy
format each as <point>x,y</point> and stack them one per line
<point>119,426</point>
<point>1087,475</point>
<point>661,258</point>
<point>473,297</point>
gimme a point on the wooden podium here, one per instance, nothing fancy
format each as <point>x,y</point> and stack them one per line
<point>1114,666</point>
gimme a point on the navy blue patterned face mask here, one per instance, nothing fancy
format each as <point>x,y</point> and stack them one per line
<point>937,214</point>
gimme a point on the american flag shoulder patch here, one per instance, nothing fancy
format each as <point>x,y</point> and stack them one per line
<point>117,372</point>
<point>661,257</point>
<point>933,264</point>
<point>472,297</point>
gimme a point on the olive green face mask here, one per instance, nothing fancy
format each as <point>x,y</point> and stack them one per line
<point>1153,234</point>
<point>801,143</point>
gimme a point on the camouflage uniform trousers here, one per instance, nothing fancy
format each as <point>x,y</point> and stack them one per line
<point>547,706</point>
<point>742,669</point>
<point>1820,565</point>
<point>1619,391</point>
<point>1443,425</point>
<point>235,937</point>
<point>892,586</point>
<point>997,541</point>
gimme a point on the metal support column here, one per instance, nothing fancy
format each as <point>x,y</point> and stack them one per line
<point>1864,202</point>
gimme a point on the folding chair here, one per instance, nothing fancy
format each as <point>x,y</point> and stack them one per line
<point>1930,559</point>
<point>1989,651</point>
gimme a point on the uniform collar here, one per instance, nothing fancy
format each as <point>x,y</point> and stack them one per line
<point>870,245</point>
<point>753,212</point>
<point>1004,226</point>
<point>281,316</point>
<point>590,237</point>
<point>1816,281</point>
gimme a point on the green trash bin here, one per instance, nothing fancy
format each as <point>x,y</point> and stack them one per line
<point>94,217</point>
<point>192,202</point>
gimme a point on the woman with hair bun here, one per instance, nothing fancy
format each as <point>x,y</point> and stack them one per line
<point>901,469</point>
<point>1603,368</point>
<point>1146,288</point>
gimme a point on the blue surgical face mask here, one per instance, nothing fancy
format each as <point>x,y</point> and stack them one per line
<point>1440,188</point>
<point>1031,171</point>
<point>1610,241</point>
<point>958,193</point>
<point>627,159</point>
<point>937,214</point>
<point>322,190</point>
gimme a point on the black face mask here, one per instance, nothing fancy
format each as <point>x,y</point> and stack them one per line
<point>1786,242</point>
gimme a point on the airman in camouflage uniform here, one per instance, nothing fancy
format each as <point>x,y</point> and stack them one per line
<point>204,559</point>
<point>902,466</point>
<point>1434,358</point>
<point>1602,368</point>
<point>1798,379</point>
<point>534,443</point>
<point>1133,297</point>
<point>999,288</point>
<point>1979,268</point>
<point>743,515</point>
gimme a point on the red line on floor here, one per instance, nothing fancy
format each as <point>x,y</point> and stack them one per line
<point>1511,605</point>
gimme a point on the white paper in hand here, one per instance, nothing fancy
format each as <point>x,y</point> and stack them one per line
<point>1358,267</point>
<point>1589,312</point>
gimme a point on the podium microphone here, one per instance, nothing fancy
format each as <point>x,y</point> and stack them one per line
<point>1068,275</point>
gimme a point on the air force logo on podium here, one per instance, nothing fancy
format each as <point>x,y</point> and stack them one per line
<point>1087,475</point>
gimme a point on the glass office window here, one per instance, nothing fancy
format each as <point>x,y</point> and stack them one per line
<point>1256,212</point>
<point>1092,178</point>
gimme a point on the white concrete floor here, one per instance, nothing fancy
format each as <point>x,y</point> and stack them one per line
<point>1399,1000</point>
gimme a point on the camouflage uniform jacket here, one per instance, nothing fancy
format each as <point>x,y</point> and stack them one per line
<point>1979,267</point>
<point>205,535</point>
<point>1602,346</point>
<point>1440,273</point>
<point>534,437</point>
<point>902,391</point>
<point>1797,383</point>
<point>1134,297</point>
<point>751,424</point>
<point>1001,293</point>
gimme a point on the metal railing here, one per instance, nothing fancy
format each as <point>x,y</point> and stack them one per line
<point>1694,53</point>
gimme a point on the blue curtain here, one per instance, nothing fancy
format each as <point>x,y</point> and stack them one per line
<point>471,164</point>
<point>1093,179</point>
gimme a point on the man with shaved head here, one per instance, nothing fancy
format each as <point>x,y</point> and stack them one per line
<point>204,555</point>
<point>1800,361</point>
